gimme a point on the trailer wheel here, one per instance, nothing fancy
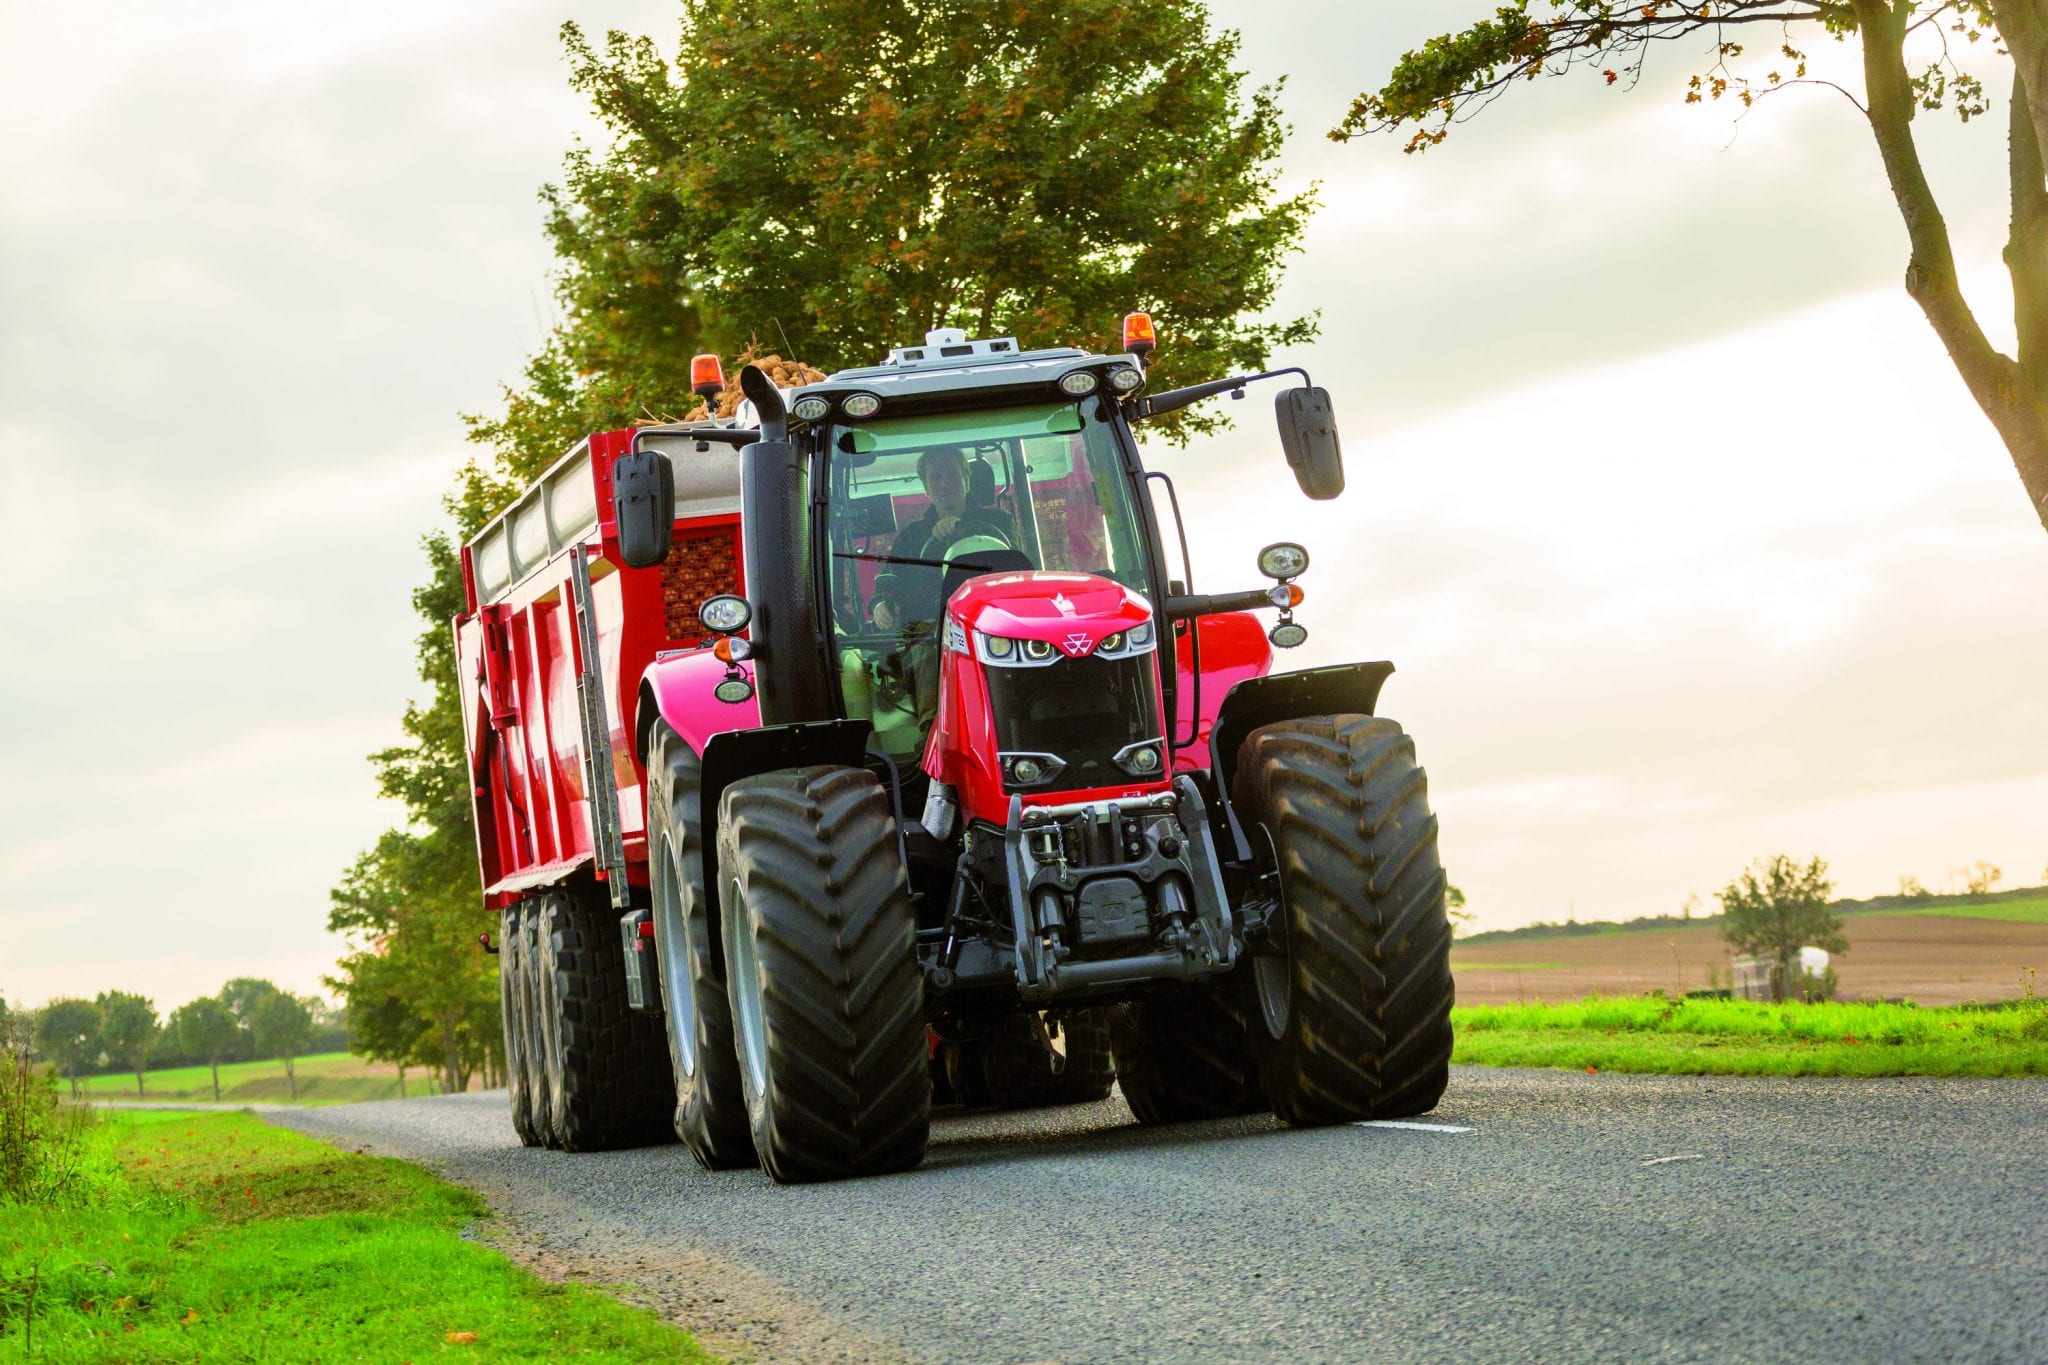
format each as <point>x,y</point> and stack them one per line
<point>711,1109</point>
<point>1352,1019</point>
<point>821,964</point>
<point>1185,1055</point>
<point>517,1015</point>
<point>606,1069</point>
<point>1026,1068</point>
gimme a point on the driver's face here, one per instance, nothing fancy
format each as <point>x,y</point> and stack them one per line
<point>946,485</point>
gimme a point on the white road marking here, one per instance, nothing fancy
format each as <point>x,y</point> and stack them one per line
<point>1415,1127</point>
<point>1660,1160</point>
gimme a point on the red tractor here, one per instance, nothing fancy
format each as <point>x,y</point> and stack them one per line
<point>870,746</point>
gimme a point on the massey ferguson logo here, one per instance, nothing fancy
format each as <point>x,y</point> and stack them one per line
<point>1076,645</point>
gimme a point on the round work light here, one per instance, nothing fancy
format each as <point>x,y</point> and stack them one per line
<point>1124,378</point>
<point>733,690</point>
<point>1287,634</point>
<point>812,408</point>
<point>725,613</point>
<point>1284,560</point>
<point>860,405</point>
<point>1078,382</point>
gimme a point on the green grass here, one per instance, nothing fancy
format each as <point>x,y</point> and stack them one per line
<point>1458,966</point>
<point>1746,1038</point>
<point>223,1238</point>
<point>324,1078</point>
<point>2013,912</point>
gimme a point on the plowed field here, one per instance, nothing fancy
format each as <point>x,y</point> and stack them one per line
<point>1934,960</point>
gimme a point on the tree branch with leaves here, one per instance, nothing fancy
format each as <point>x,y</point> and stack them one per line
<point>1451,78</point>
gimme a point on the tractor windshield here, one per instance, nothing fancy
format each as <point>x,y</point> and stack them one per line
<point>1038,486</point>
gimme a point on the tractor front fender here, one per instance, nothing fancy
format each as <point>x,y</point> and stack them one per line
<point>1338,690</point>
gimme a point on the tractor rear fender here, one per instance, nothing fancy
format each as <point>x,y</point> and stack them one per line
<point>731,743</point>
<point>1339,689</point>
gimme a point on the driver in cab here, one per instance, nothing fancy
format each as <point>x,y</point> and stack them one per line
<point>909,594</point>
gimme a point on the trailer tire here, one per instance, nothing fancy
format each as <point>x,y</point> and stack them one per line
<point>606,1067</point>
<point>517,1014</point>
<point>1185,1055</point>
<point>1352,1019</point>
<point>821,958</point>
<point>1018,1061</point>
<point>711,1108</point>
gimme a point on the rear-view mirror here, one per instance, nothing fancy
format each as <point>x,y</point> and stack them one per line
<point>1308,435</point>
<point>644,507</point>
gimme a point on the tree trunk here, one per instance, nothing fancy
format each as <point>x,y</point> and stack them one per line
<point>1994,380</point>
<point>215,1064</point>
<point>291,1079</point>
<point>401,1080</point>
<point>138,1084</point>
<point>451,1060</point>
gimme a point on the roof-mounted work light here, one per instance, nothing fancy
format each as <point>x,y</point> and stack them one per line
<point>1139,338</point>
<point>707,377</point>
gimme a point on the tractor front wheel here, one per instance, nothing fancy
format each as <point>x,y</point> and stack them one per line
<point>1025,1067</point>
<point>711,1109</point>
<point>821,966</point>
<point>1351,1016</point>
<point>1183,1055</point>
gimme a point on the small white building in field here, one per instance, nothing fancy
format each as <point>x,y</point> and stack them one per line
<point>1753,973</point>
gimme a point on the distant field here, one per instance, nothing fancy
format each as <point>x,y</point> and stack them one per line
<point>1944,956</point>
<point>1743,1038</point>
<point>325,1078</point>
<point>2012,912</point>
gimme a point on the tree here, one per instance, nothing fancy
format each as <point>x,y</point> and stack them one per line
<point>848,175</point>
<point>1454,908</point>
<point>206,1028</point>
<point>1981,877</point>
<point>128,1025</point>
<point>282,1026</point>
<point>1451,77</point>
<point>242,995</point>
<point>68,1033</point>
<point>1775,908</point>
<point>1910,886</point>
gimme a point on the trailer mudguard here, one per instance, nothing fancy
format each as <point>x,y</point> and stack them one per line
<point>1337,690</point>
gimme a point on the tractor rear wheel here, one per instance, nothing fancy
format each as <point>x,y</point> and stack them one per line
<point>1026,1068</point>
<point>821,966</point>
<point>1185,1055</point>
<point>711,1108</point>
<point>517,1015</point>
<point>1351,1018</point>
<point>606,1072</point>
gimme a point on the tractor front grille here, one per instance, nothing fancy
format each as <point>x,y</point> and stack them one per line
<point>1082,711</point>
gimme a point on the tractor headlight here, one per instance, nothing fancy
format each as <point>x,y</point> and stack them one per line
<point>725,613</point>
<point>1141,759</point>
<point>1122,645</point>
<point>1030,770</point>
<point>1005,652</point>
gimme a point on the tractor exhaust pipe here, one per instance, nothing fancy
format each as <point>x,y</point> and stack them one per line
<point>775,498</point>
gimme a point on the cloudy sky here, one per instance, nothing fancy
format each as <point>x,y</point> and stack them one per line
<point>1687,543</point>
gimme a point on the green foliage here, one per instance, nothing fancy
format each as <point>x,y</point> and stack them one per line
<point>1454,908</point>
<point>849,175</point>
<point>2033,911</point>
<point>1776,907</point>
<point>205,1029</point>
<point>320,1078</point>
<point>68,1033</point>
<point>283,1026</point>
<point>1451,77</point>
<point>1747,1038</point>
<point>225,1239</point>
<point>128,1025</point>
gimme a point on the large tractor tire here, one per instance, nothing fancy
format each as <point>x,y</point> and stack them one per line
<point>516,1010</point>
<point>711,1108</point>
<point>821,966</point>
<point>1185,1055</point>
<point>1351,1017</point>
<point>1026,1068</point>
<point>605,1067</point>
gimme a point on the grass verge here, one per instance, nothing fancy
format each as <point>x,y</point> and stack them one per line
<point>217,1237</point>
<point>1746,1038</point>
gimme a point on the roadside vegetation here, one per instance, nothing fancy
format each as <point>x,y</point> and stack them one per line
<point>326,1078</point>
<point>1752,1038</point>
<point>168,1236</point>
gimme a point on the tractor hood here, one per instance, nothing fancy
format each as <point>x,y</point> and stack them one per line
<point>1074,611</point>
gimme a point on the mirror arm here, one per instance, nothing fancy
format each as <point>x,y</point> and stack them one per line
<point>1173,400</point>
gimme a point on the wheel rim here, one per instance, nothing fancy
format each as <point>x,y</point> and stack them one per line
<point>1273,972</point>
<point>674,949</point>
<point>744,981</point>
<point>552,1070</point>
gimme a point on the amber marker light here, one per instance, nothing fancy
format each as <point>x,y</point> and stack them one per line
<point>1139,338</point>
<point>707,376</point>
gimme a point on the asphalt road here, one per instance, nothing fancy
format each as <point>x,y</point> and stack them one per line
<point>1580,1217</point>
